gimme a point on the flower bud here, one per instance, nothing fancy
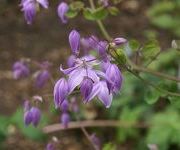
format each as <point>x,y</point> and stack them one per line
<point>119,41</point>
<point>74,41</point>
<point>50,146</point>
<point>114,78</point>
<point>62,10</point>
<point>60,91</point>
<point>28,117</point>
<point>36,115</point>
<point>41,78</point>
<point>20,70</point>
<point>65,119</point>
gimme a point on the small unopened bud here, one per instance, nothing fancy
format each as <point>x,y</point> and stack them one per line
<point>119,41</point>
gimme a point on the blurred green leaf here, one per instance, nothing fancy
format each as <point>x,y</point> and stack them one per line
<point>134,44</point>
<point>109,146</point>
<point>165,129</point>
<point>150,49</point>
<point>77,5</point>
<point>98,14</point>
<point>152,95</point>
<point>113,10</point>
<point>71,13</point>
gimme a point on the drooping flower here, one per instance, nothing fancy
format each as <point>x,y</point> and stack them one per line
<point>62,10</point>
<point>86,87</point>
<point>20,70</point>
<point>96,141</point>
<point>65,119</point>
<point>100,89</point>
<point>31,114</point>
<point>29,7</point>
<point>36,115</point>
<point>114,78</point>
<point>50,146</point>
<point>74,41</point>
<point>28,117</point>
<point>41,78</point>
<point>60,91</point>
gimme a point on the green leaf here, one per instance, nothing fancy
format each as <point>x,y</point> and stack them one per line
<point>150,49</point>
<point>88,14</point>
<point>71,13</point>
<point>134,45</point>
<point>165,21</point>
<point>77,5</point>
<point>151,95</point>
<point>113,11</point>
<point>98,14</point>
<point>4,121</point>
<point>109,146</point>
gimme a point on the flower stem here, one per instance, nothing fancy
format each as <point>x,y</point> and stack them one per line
<point>100,24</point>
<point>93,123</point>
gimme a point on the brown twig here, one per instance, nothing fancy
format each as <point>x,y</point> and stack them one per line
<point>93,123</point>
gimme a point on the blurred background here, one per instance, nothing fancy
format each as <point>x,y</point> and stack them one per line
<point>47,39</point>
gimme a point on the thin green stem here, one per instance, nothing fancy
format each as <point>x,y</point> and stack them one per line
<point>100,24</point>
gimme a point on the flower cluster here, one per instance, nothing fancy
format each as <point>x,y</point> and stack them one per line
<point>31,114</point>
<point>30,7</point>
<point>21,70</point>
<point>94,76</point>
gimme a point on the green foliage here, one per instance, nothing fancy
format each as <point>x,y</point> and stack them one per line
<point>165,129</point>
<point>150,49</point>
<point>151,95</point>
<point>164,14</point>
<point>113,11</point>
<point>129,116</point>
<point>109,146</point>
<point>98,14</point>
<point>134,45</point>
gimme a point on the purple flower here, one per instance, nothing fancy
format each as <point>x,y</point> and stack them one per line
<point>28,116</point>
<point>64,106</point>
<point>62,10</point>
<point>119,41</point>
<point>60,91</point>
<point>102,46</point>
<point>41,78</point>
<point>65,119</point>
<point>86,87</point>
<point>26,105</point>
<point>96,141</point>
<point>114,78</point>
<point>36,115</point>
<point>20,70</point>
<point>85,45</point>
<point>29,7</point>
<point>105,2</point>
<point>43,3</point>
<point>71,61</point>
<point>74,41</point>
<point>50,146</point>
<point>101,90</point>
